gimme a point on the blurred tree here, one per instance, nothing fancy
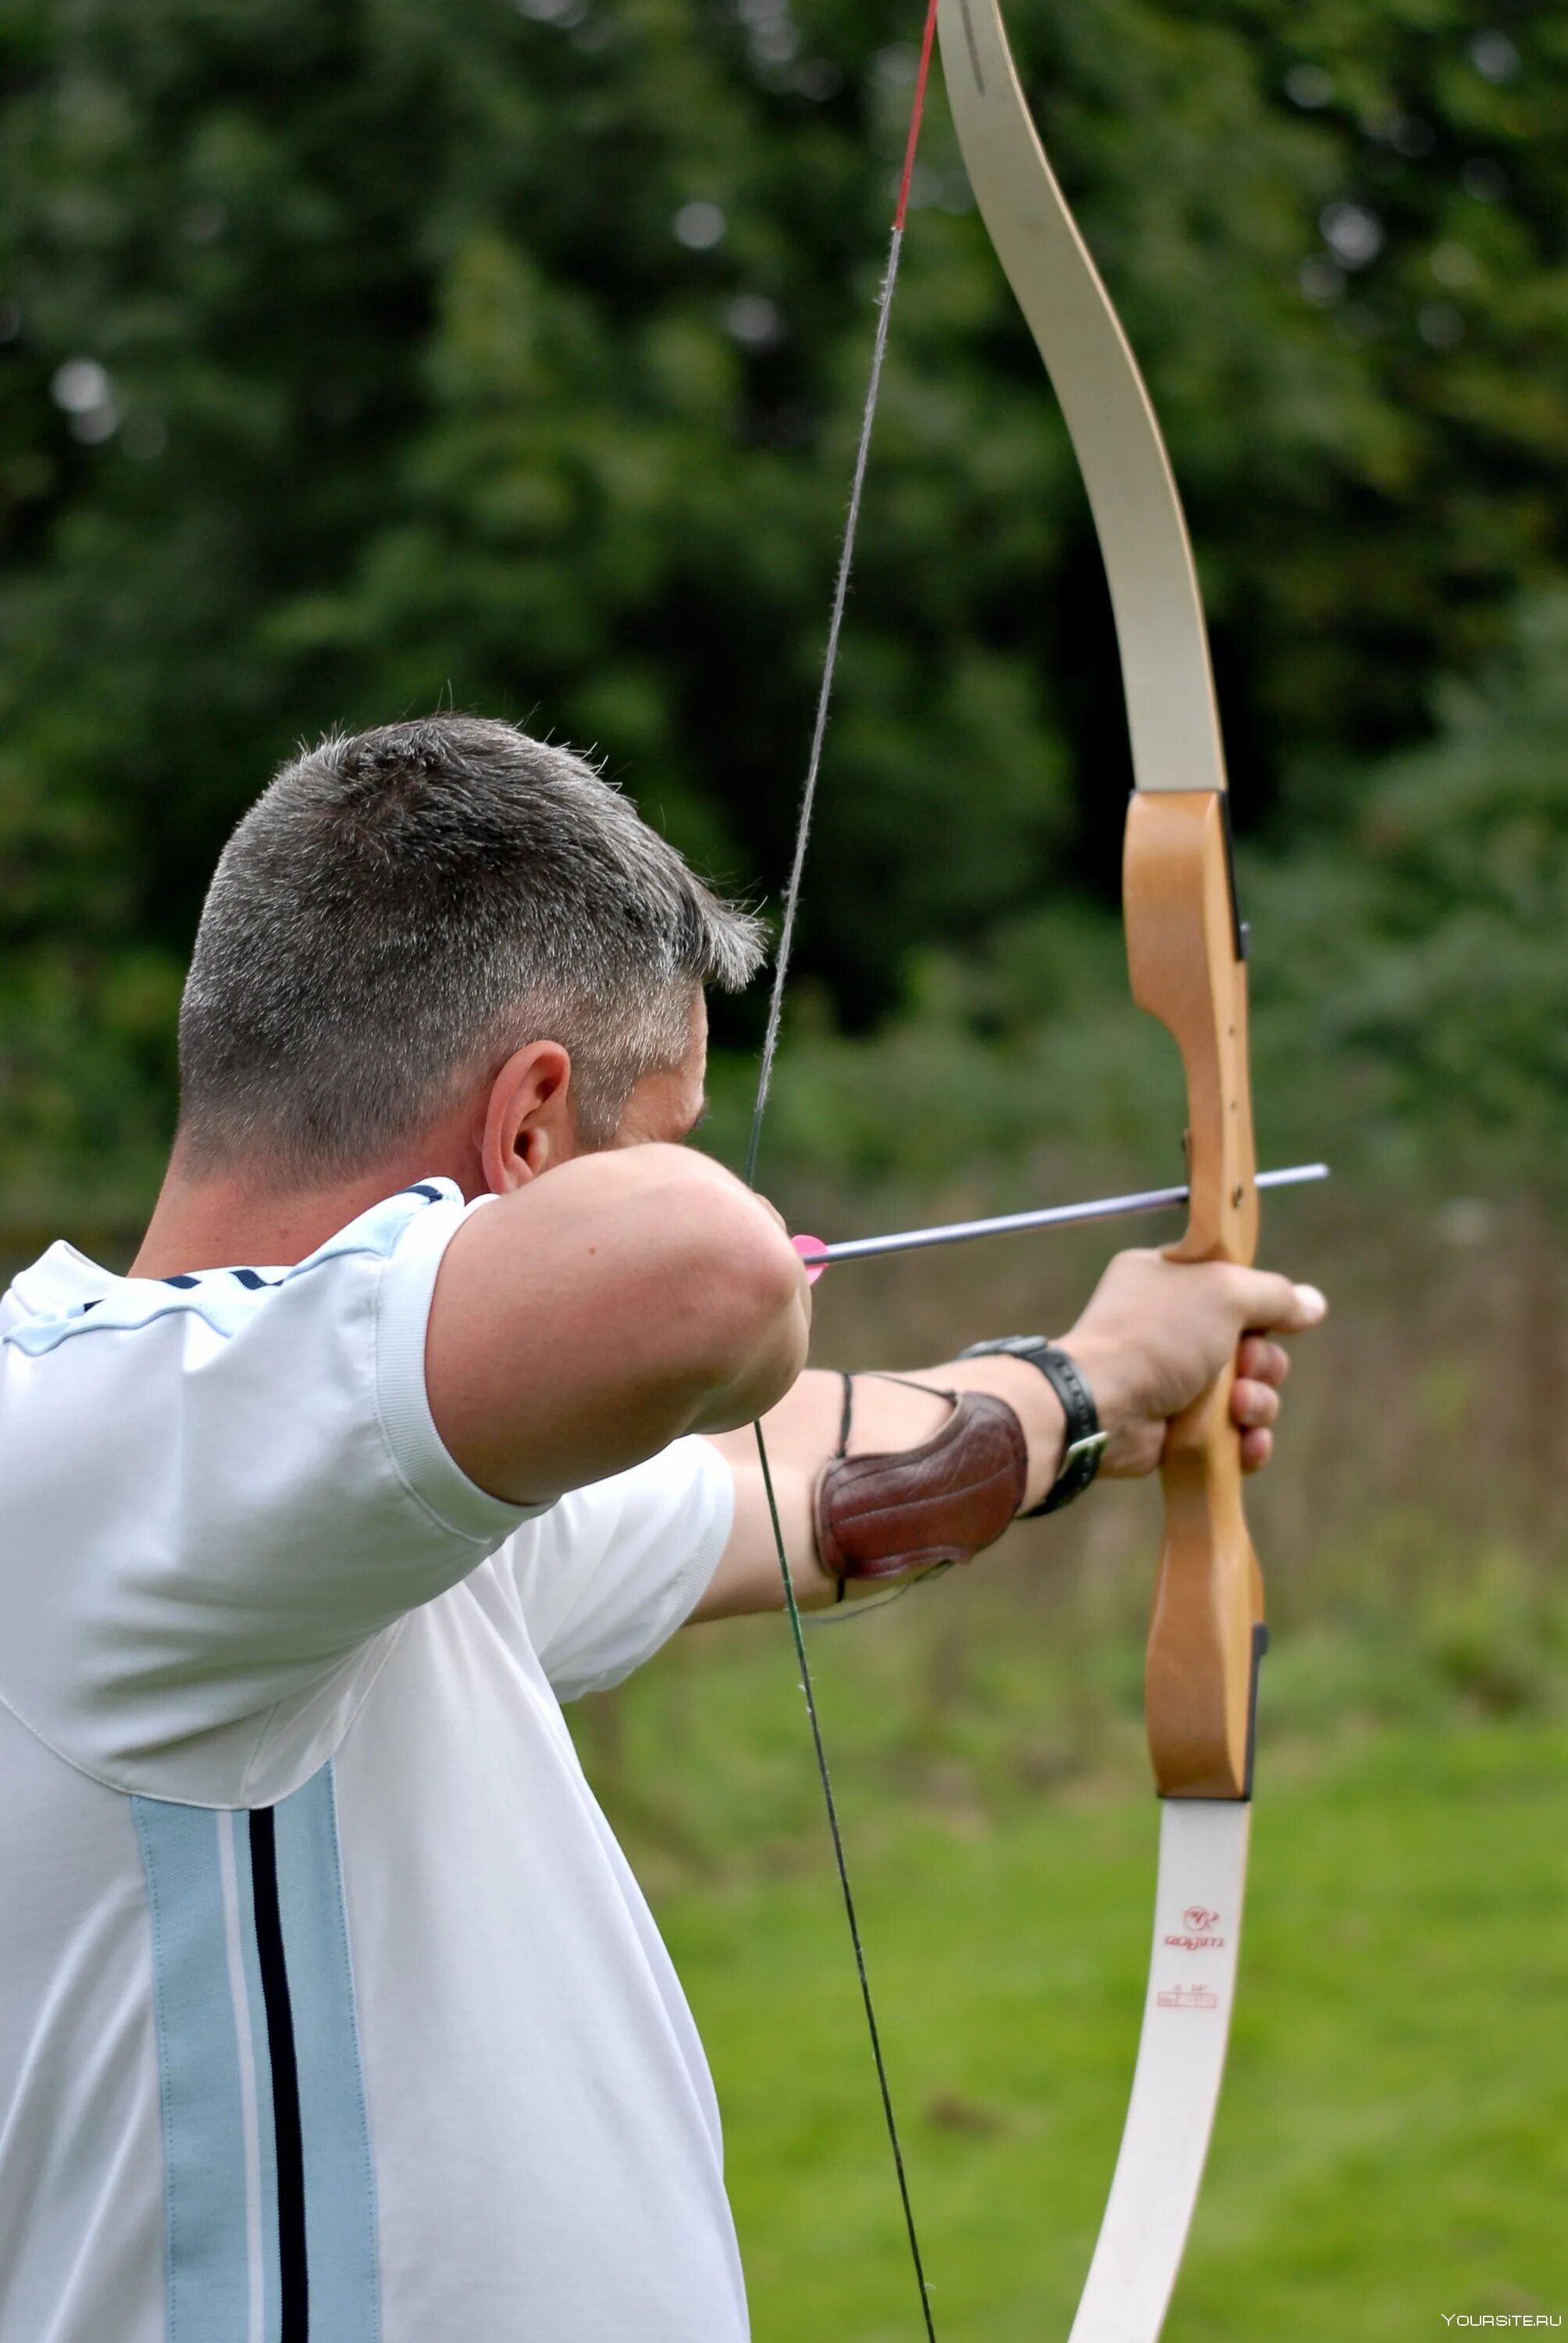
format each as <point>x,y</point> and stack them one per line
<point>1421,954</point>
<point>363,354</point>
<point>1407,988</point>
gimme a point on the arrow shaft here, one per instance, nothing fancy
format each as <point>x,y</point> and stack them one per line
<point>1051,1216</point>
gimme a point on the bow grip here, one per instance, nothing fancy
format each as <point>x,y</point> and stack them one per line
<point>1186,955</point>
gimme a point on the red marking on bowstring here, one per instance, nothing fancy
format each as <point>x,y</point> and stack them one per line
<point>805,1246</point>
<point>915,113</point>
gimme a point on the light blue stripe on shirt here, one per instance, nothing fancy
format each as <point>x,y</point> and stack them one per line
<point>339,2185</point>
<point>207,2199</point>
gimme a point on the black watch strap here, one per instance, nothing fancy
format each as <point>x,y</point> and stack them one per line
<point>1085,1442</point>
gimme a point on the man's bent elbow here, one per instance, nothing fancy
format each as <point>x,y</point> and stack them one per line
<point>754,1305</point>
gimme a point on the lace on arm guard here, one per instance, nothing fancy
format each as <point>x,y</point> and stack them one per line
<point>913,1508</point>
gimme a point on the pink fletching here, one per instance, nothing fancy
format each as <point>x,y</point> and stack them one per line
<point>805,1246</point>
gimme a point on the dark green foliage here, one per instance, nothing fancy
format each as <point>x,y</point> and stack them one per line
<point>1419,951</point>
<point>412,390</point>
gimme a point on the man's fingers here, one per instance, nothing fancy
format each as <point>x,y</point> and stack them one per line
<point>1253,1405</point>
<point>1258,1360</point>
<point>1270,1304</point>
<point>1257,1447</point>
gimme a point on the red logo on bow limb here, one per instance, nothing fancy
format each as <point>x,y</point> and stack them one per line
<point>1200,1919</point>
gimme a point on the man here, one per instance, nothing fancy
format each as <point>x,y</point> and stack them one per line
<point>329,2012</point>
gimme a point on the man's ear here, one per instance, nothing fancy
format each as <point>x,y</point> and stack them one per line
<point>529,1122</point>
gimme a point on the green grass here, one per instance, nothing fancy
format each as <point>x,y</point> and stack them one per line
<point>1393,2137</point>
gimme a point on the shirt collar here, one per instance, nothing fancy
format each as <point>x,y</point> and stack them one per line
<point>59,1282</point>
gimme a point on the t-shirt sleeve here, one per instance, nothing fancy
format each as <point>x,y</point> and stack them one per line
<point>610,1573</point>
<point>217,1492</point>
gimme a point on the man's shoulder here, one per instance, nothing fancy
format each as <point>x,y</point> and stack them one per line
<point>218,1490</point>
<point>63,1293</point>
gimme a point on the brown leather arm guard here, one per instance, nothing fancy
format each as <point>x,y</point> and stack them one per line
<point>915,1508</point>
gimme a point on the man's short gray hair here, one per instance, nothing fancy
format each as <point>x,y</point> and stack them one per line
<point>401,911</point>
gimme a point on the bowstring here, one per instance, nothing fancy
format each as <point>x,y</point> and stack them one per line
<point>754,1140</point>
<point>836,622</point>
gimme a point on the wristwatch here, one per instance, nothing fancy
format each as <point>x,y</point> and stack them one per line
<point>1085,1440</point>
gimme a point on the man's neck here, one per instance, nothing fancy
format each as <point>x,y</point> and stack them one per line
<point>228,1221</point>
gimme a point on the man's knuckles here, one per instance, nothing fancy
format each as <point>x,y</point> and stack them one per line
<point>1254,1405</point>
<point>1261,1360</point>
<point>1257,1447</point>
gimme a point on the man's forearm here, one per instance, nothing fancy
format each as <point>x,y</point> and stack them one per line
<point>803,1434</point>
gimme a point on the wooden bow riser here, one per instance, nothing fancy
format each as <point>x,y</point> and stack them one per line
<point>1184,952</point>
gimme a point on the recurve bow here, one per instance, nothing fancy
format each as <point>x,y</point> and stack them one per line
<point>1187,954</point>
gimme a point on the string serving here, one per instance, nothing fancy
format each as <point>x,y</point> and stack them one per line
<point>758,1113</point>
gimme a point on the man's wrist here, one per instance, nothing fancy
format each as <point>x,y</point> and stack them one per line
<point>1084,1440</point>
<point>1105,1366</point>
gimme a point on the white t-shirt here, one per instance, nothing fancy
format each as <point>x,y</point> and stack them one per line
<point>329,2010</point>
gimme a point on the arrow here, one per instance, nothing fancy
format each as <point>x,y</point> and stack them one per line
<point>816,1255</point>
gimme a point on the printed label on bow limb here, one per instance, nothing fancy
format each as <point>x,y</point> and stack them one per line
<point>1188,1997</point>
